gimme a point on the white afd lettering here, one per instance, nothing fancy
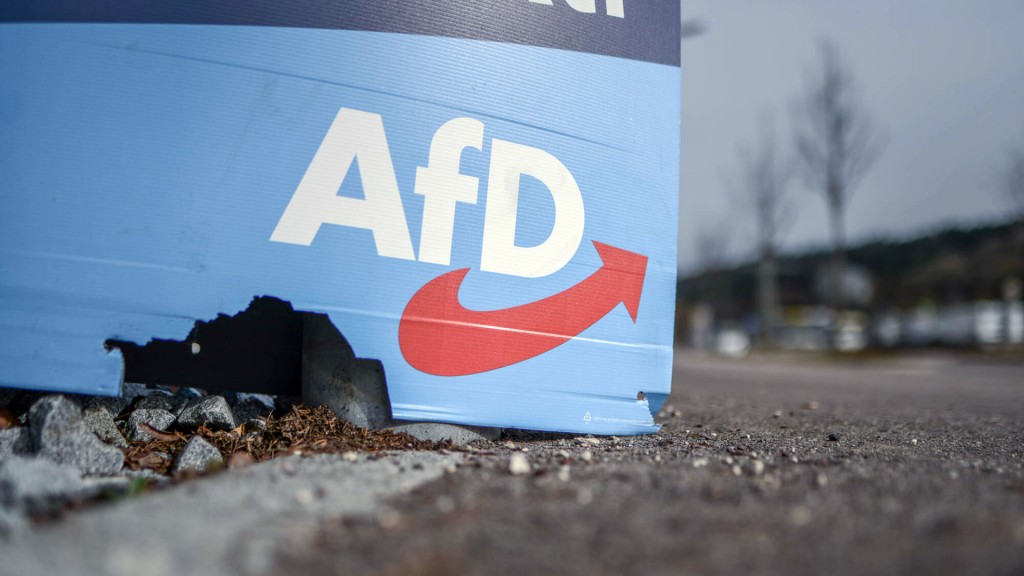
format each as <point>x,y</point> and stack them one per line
<point>359,136</point>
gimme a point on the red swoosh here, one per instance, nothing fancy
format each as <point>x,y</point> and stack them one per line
<point>439,336</point>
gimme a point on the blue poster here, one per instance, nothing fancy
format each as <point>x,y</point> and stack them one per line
<point>482,197</point>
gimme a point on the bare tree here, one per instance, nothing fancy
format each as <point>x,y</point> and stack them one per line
<point>762,188</point>
<point>836,144</point>
<point>1013,180</point>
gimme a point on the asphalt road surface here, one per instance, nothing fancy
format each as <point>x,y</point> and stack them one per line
<point>789,466</point>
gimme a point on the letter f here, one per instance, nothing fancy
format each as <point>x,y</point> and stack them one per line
<point>442,186</point>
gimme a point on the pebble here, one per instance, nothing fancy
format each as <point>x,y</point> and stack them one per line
<point>700,462</point>
<point>158,418</point>
<point>587,456</point>
<point>518,465</point>
<point>445,504</point>
<point>777,414</point>
<point>812,405</point>
<point>758,467</point>
<point>736,470</point>
<point>800,515</point>
<point>15,441</point>
<point>833,437</point>
<point>303,496</point>
<point>913,441</point>
<point>350,456</point>
<point>101,422</point>
<point>588,440</point>
<point>59,434</point>
<point>563,473</point>
<point>197,456</point>
<point>211,411</point>
<point>821,480</point>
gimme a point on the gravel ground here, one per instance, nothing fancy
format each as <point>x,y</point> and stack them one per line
<point>906,466</point>
<point>777,466</point>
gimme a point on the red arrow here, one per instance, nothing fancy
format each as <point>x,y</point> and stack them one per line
<point>439,336</point>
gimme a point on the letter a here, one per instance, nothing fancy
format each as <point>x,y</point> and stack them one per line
<point>354,136</point>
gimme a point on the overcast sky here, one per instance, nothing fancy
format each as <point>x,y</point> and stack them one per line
<point>942,79</point>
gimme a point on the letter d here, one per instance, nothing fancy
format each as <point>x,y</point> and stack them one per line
<point>500,254</point>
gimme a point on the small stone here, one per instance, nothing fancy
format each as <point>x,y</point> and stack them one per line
<point>15,441</point>
<point>197,456</point>
<point>510,445</point>
<point>113,404</point>
<point>132,390</point>
<point>518,464</point>
<point>251,409</point>
<point>303,497</point>
<point>60,434</point>
<point>588,440</point>
<point>210,411</point>
<point>811,405</point>
<point>758,467</point>
<point>821,480</point>
<point>657,457</point>
<point>154,417</point>
<point>777,414</point>
<point>438,432</point>
<point>350,456</point>
<point>172,404</point>
<point>101,422</point>
<point>736,470</point>
<point>800,515</point>
<point>913,441</point>
<point>700,462</point>
<point>563,473</point>
<point>833,437</point>
<point>587,456</point>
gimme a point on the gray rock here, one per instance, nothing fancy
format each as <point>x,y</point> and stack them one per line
<point>212,411</point>
<point>132,390</point>
<point>101,422</point>
<point>353,388</point>
<point>60,434</point>
<point>251,410</point>
<point>197,456</point>
<point>155,417</point>
<point>15,441</point>
<point>113,404</point>
<point>437,432</point>
<point>38,485</point>
<point>172,404</point>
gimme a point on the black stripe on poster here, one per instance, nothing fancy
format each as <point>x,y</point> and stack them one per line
<point>636,29</point>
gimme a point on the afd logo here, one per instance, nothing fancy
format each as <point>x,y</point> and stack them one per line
<point>611,7</point>
<point>436,334</point>
<point>357,136</point>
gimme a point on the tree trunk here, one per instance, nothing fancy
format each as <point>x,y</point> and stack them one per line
<point>767,297</point>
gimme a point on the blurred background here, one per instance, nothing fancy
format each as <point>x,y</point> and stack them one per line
<point>852,176</point>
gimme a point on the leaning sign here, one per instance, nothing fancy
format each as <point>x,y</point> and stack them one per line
<point>480,195</point>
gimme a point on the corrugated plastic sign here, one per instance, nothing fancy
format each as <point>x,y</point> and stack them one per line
<point>482,195</point>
